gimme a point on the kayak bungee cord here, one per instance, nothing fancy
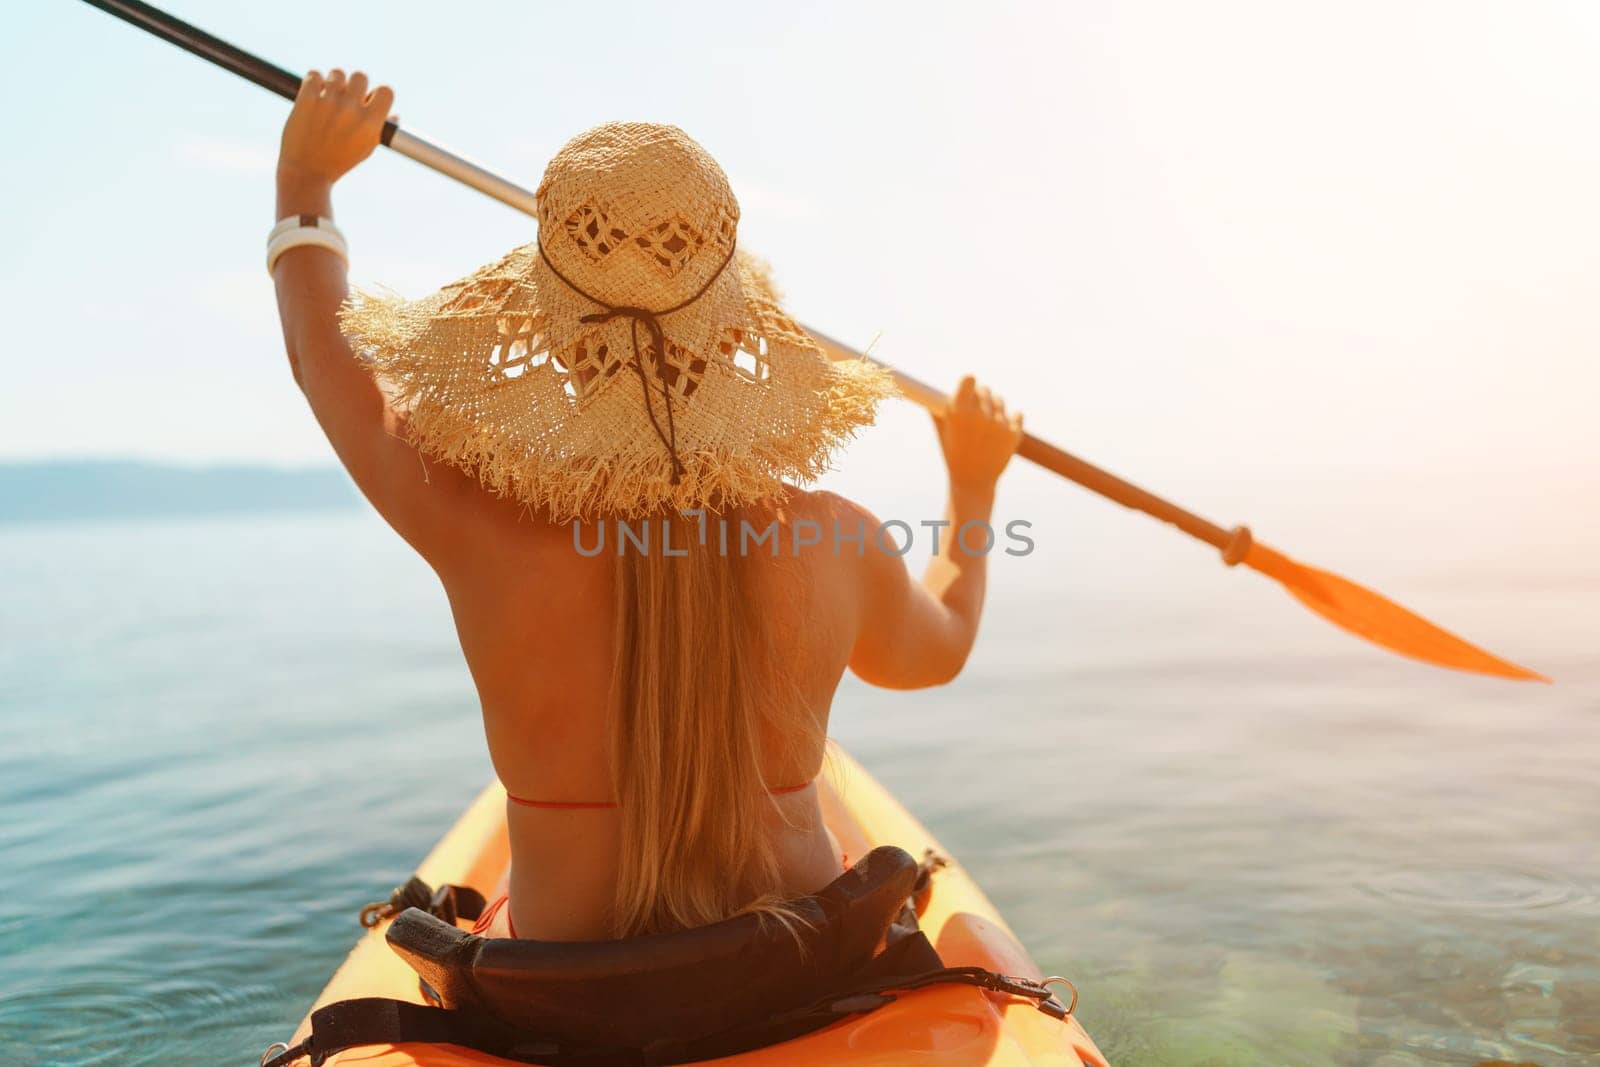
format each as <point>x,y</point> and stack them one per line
<point>1344,603</point>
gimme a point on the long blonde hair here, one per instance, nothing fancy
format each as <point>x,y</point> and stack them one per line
<point>695,682</point>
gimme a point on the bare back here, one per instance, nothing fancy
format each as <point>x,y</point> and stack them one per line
<point>536,619</point>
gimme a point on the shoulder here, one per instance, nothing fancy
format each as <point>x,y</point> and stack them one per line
<point>492,534</point>
<point>824,506</point>
<point>846,529</point>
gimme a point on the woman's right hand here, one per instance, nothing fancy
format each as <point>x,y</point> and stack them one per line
<point>978,436</point>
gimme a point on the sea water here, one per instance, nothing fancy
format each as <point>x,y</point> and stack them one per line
<point>1248,838</point>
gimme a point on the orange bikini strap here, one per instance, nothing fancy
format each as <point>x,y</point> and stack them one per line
<point>561,804</point>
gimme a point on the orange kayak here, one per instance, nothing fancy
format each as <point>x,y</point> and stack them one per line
<point>944,1026</point>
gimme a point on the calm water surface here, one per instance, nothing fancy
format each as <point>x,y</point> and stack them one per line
<point>1249,841</point>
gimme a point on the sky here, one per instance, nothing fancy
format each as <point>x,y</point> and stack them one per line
<point>1222,249</point>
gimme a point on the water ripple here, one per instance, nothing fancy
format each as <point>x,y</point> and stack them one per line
<point>1474,887</point>
<point>104,1021</point>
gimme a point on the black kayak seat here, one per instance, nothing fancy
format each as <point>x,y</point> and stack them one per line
<point>678,986</point>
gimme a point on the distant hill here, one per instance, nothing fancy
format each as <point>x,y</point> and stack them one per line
<point>86,489</point>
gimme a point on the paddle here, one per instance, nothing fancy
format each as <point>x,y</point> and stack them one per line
<point>1339,600</point>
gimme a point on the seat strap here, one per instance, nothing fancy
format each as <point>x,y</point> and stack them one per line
<point>382,1020</point>
<point>909,962</point>
<point>447,903</point>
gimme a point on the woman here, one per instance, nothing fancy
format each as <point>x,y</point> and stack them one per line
<point>657,716</point>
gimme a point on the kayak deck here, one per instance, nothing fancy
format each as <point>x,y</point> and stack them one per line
<point>941,1025</point>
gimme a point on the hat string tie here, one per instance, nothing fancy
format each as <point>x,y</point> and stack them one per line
<point>658,349</point>
<point>658,345</point>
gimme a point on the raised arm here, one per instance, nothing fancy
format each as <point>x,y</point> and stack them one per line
<point>335,124</point>
<point>919,633</point>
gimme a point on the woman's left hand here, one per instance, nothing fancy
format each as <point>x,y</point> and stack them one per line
<point>335,124</point>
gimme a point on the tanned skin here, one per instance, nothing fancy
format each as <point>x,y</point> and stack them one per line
<point>535,618</point>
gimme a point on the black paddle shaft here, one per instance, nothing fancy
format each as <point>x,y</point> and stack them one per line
<point>198,42</point>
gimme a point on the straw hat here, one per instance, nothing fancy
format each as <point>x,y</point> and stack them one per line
<point>630,360</point>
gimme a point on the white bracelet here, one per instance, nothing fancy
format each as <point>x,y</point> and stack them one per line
<point>319,222</point>
<point>300,230</point>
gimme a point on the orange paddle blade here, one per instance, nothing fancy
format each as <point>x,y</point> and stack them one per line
<point>1379,619</point>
